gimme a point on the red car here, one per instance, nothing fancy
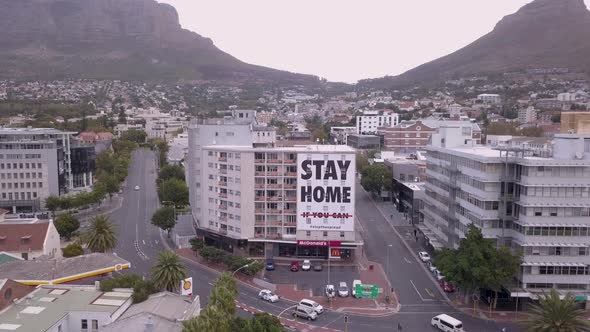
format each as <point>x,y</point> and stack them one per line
<point>294,266</point>
<point>447,287</point>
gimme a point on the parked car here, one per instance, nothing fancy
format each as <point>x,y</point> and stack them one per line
<point>343,289</point>
<point>431,266</point>
<point>136,188</point>
<point>294,266</point>
<point>446,287</point>
<point>354,283</point>
<point>269,296</point>
<point>270,265</point>
<point>312,305</point>
<point>424,256</point>
<point>317,267</point>
<point>304,312</point>
<point>330,291</point>
<point>306,266</point>
<point>437,274</point>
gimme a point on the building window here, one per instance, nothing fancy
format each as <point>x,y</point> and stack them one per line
<point>95,324</point>
<point>341,234</point>
<point>325,233</point>
<point>307,233</point>
<point>84,324</point>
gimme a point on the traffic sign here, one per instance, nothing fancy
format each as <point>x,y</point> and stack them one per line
<point>370,291</point>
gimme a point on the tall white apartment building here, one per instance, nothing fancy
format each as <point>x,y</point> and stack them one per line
<point>368,123</point>
<point>489,98</point>
<point>34,164</point>
<point>527,115</point>
<point>535,202</point>
<point>253,198</point>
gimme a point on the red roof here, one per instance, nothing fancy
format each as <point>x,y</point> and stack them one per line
<point>22,237</point>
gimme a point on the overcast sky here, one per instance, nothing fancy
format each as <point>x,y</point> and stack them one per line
<point>342,40</point>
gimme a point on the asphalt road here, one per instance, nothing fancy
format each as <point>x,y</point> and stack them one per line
<point>140,242</point>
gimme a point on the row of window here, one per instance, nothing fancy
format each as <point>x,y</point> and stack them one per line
<point>229,203</point>
<point>546,171</point>
<point>28,175</point>
<point>553,211</point>
<point>563,270</point>
<point>225,178</point>
<point>20,165</point>
<point>228,155</point>
<point>539,285</point>
<point>228,227</point>
<point>556,251</point>
<point>28,185</point>
<point>555,191</point>
<point>229,191</point>
<point>17,146</point>
<point>484,205</point>
<point>551,230</point>
<point>23,195</point>
<point>324,234</point>
<point>231,216</point>
<point>229,167</point>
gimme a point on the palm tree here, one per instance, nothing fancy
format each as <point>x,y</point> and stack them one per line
<point>553,314</point>
<point>168,272</point>
<point>101,236</point>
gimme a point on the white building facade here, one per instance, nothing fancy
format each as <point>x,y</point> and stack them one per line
<point>489,98</point>
<point>252,198</point>
<point>368,123</point>
<point>536,203</point>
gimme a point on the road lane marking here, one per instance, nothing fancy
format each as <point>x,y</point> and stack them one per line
<point>429,292</point>
<point>407,260</point>
<point>420,295</point>
<point>143,242</point>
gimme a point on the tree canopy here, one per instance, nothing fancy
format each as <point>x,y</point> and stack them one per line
<point>376,178</point>
<point>168,271</point>
<point>101,236</point>
<point>72,250</point>
<point>171,172</point>
<point>477,263</point>
<point>175,191</point>
<point>66,225</point>
<point>164,218</point>
<point>553,314</point>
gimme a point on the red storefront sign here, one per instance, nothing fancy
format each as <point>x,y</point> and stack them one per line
<point>318,243</point>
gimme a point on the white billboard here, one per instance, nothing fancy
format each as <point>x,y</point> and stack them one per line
<point>325,191</point>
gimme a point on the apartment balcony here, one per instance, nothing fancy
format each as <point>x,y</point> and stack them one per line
<point>223,219</point>
<point>275,198</point>
<point>223,231</point>
<point>222,159</point>
<point>259,185</point>
<point>274,185</point>
<point>290,186</point>
<point>259,173</point>
<point>291,174</point>
<point>223,171</point>
<point>222,183</point>
<point>272,173</point>
<point>259,198</point>
<point>222,207</point>
<point>273,211</point>
<point>259,211</point>
<point>289,161</point>
<point>259,223</point>
<point>274,236</point>
<point>259,161</point>
<point>222,195</point>
<point>290,211</point>
<point>291,199</point>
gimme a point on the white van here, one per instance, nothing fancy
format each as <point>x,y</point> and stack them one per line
<point>447,323</point>
<point>354,283</point>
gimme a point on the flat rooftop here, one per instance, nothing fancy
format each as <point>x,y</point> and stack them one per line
<point>56,271</point>
<point>32,131</point>
<point>296,148</point>
<point>47,305</point>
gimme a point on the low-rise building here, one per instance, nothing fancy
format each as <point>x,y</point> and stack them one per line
<point>29,238</point>
<point>339,135</point>
<point>364,142</point>
<point>368,123</point>
<point>489,98</point>
<point>575,122</point>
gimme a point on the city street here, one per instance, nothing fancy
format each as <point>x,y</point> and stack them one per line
<point>140,242</point>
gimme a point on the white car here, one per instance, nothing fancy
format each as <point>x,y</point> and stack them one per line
<point>438,275</point>
<point>354,283</point>
<point>330,291</point>
<point>136,188</point>
<point>306,266</point>
<point>424,256</point>
<point>343,289</point>
<point>431,266</point>
<point>269,296</point>
<point>310,304</point>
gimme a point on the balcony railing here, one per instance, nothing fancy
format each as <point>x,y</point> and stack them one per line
<point>223,159</point>
<point>290,211</point>
<point>275,198</point>
<point>223,171</point>
<point>222,218</point>
<point>222,207</point>
<point>273,211</point>
<point>259,185</point>
<point>222,183</point>
<point>223,195</point>
<point>259,211</point>
<point>290,186</point>
<point>291,199</point>
<point>259,161</point>
<point>260,173</point>
<point>274,185</point>
<point>290,173</point>
<point>289,161</point>
<point>259,198</point>
<point>273,161</point>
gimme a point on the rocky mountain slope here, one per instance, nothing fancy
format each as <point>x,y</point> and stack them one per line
<point>114,39</point>
<point>541,34</point>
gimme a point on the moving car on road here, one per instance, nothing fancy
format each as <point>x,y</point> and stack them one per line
<point>136,188</point>
<point>343,289</point>
<point>304,312</point>
<point>447,323</point>
<point>306,266</point>
<point>424,256</point>
<point>270,265</point>
<point>269,296</point>
<point>311,305</point>
<point>294,266</point>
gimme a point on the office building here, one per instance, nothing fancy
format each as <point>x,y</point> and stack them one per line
<point>368,123</point>
<point>35,163</point>
<point>527,115</point>
<point>535,202</point>
<point>253,198</point>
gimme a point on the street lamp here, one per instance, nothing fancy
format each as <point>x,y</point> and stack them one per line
<point>243,267</point>
<point>388,246</point>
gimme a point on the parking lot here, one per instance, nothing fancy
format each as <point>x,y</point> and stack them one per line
<point>314,280</point>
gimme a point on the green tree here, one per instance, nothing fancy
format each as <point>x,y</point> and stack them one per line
<point>142,289</point>
<point>175,191</point>
<point>376,178</point>
<point>168,271</point>
<point>52,203</point>
<point>556,118</point>
<point>66,225</point>
<point>171,172</point>
<point>122,116</point>
<point>196,244</point>
<point>164,218</point>
<point>212,254</point>
<point>553,314</point>
<point>477,263</point>
<point>134,135</point>
<point>72,250</point>
<point>101,236</point>
<point>362,161</point>
<point>109,183</point>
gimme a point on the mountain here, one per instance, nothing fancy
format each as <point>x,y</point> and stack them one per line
<point>114,39</point>
<point>541,34</point>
